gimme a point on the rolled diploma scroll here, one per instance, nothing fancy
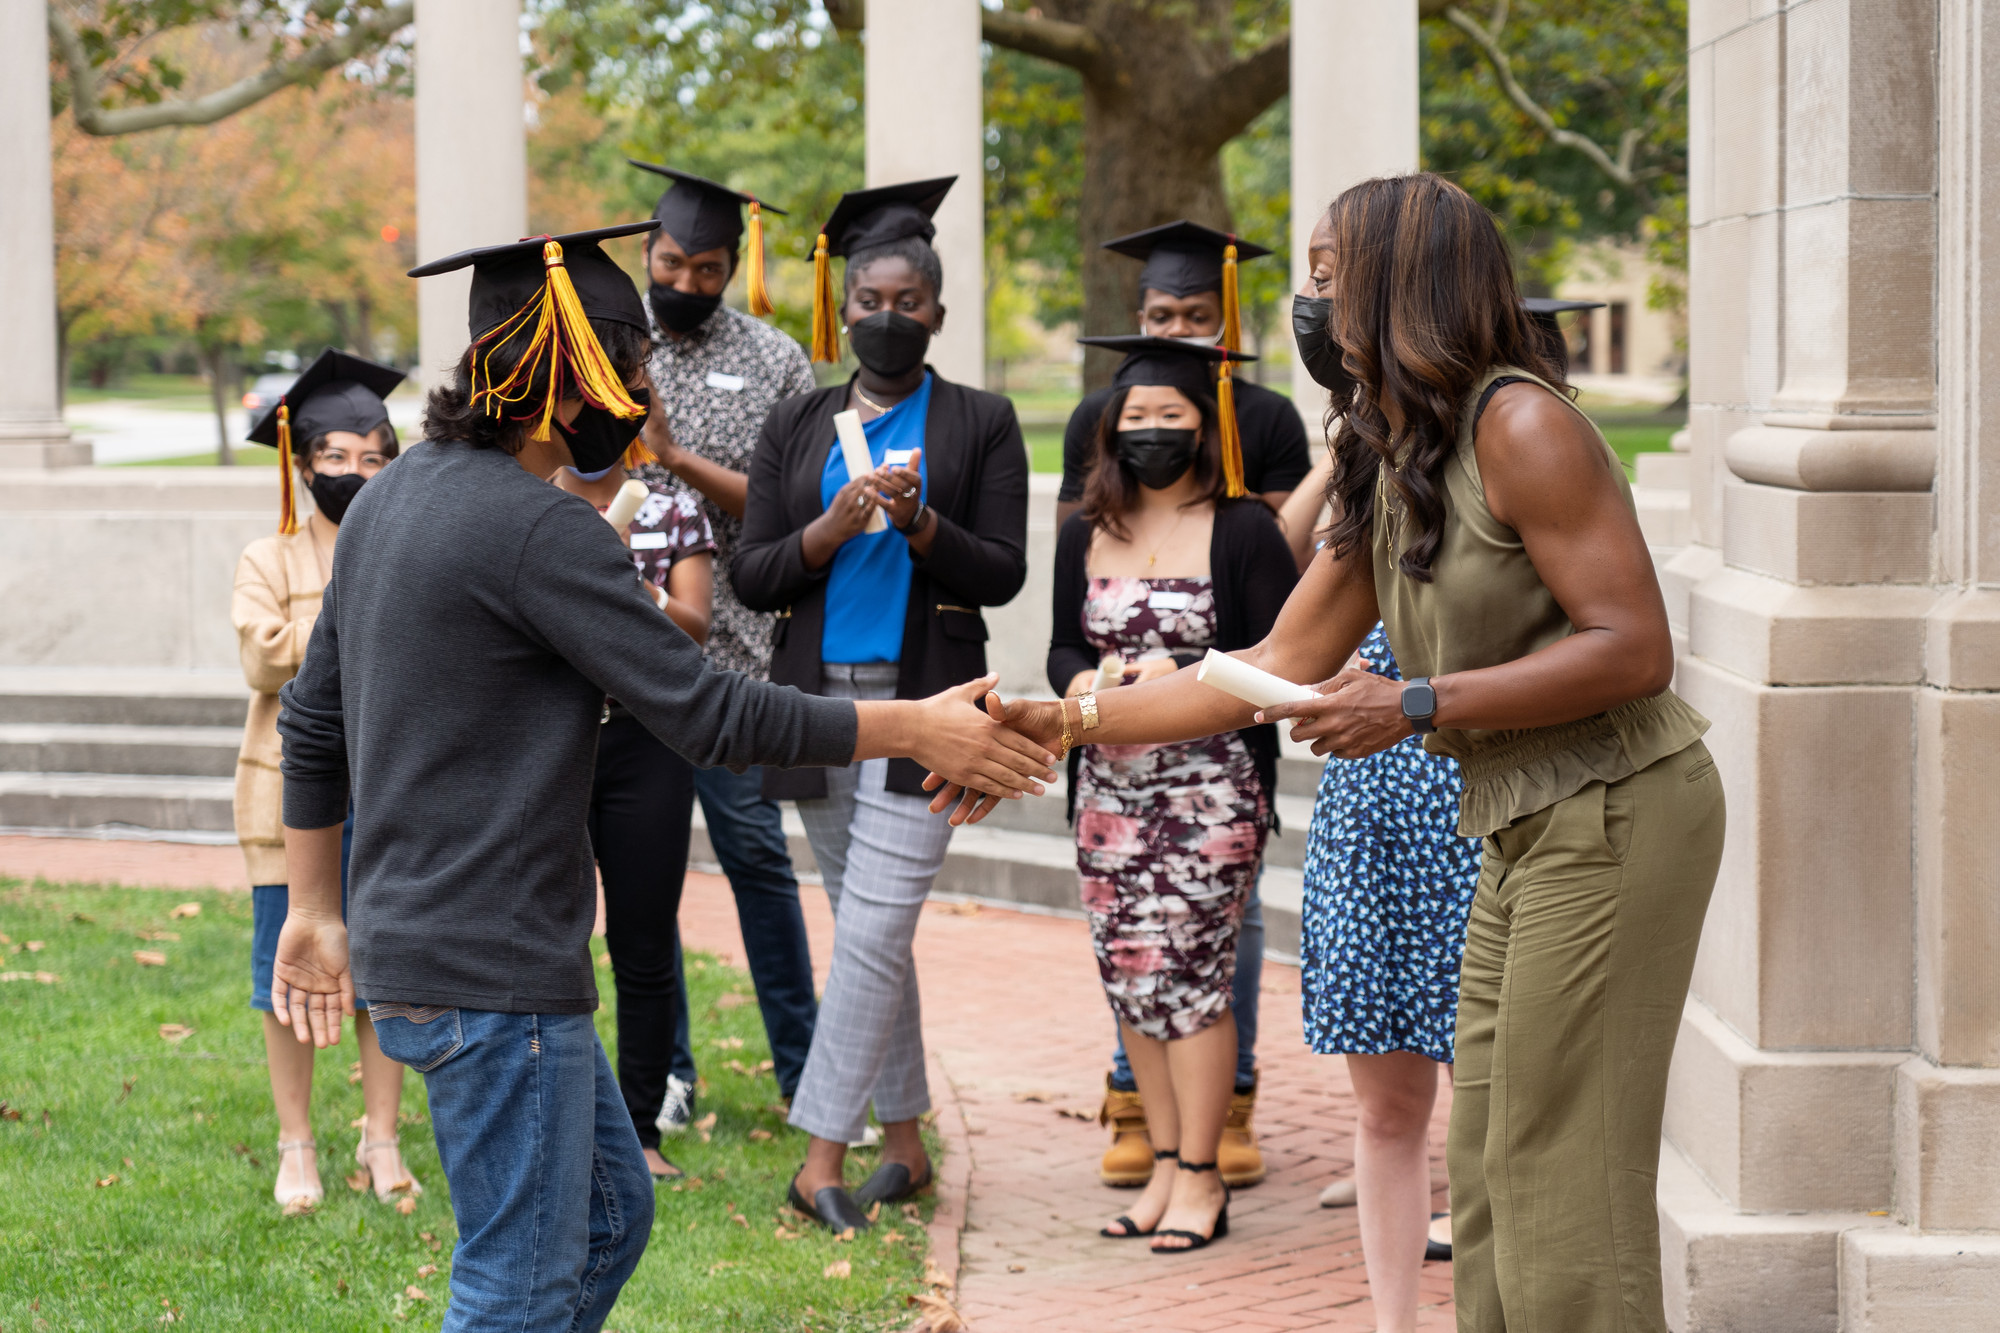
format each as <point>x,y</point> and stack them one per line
<point>854,452</point>
<point>1250,684</point>
<point>1110,672</point>
<point>625,505</point>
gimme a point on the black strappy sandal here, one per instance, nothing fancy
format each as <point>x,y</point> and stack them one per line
<point>1132,1228</point>
<point>1195,1240</point>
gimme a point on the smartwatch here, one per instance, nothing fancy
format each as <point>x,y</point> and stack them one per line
<point>1420,705</point>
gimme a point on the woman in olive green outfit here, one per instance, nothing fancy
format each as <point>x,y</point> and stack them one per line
<point>1485,522</point>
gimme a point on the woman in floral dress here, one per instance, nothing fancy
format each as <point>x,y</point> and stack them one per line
<point>1159,566</point>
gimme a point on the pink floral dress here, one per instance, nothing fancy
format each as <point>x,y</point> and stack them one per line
<point>1168,837</point>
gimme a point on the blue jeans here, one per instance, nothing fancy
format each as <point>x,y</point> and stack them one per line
<point>548,1182</point>
<point>1242,1003</point>
<point>748,834</point>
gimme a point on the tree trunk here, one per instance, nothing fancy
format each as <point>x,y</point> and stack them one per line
<point>364,327</point>
<point>212,361</point>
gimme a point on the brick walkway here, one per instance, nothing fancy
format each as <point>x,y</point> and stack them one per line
<point>1019,1035</point>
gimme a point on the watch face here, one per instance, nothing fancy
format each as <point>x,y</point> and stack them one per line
<point>1419,701</point>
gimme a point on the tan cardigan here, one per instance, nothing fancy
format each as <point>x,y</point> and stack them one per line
<point>274,605</point>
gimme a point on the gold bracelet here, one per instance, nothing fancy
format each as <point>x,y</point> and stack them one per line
<point>1063,708</point>
<point>1087,705</point>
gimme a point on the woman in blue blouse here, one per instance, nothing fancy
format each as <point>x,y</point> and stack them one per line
<point>878,615</point>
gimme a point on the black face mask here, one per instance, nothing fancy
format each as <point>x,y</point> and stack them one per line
<point>1157,455</point>
<point>1318,352</point>
<point>889,342</point>
<point>597,439</point>
<point>332,495</point>
<point>683,312</point>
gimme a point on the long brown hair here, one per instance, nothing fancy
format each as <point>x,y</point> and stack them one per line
<point>1424,304</point>
<point>1111,491</point>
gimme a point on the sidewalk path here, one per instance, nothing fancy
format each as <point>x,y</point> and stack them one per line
<point>1019,1037</point>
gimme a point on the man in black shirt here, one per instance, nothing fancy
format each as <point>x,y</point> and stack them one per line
<point>1180,296</point>
<point>476,619</point>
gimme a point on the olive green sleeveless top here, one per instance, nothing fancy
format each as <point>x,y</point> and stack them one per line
<point>1488,606</point>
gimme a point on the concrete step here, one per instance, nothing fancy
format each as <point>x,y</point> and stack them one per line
<point>71,747</point>
<point>1046,815</point>
<point>117,697</point>
<point>1665,515</point>
<point>94,800</point>
<point>153,490</point>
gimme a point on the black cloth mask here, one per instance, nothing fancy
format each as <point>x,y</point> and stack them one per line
<point>597,439</point>
<point>1318,352</point>
<point>889,342</point>
<point>682,312</point>
<point>1158,456</point>
<point>332,495</point>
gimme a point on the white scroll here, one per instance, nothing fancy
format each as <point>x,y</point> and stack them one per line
<point>854,452</point>
<point>624,506</point>
<point>1250,684</point>
<point>1110,672</point>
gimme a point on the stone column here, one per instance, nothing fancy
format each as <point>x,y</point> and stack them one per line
<point>1860,855</point>
<point>32,433</point>
<point>925,117</point>
<point>1354,115</point>
<point>472,155</point>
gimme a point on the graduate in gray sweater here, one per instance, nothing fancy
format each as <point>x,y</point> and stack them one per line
<point>476,620</point>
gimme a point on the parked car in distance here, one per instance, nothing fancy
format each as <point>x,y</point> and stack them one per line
<point>266,390</point>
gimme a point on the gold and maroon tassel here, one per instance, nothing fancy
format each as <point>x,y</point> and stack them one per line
<point>1232,306</point>
<point>561,338</point>
<point>826,311</point>
<point>757,291</point>
<point>288,496</point>
<point>1232,439</point>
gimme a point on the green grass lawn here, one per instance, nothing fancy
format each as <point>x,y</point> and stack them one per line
<point>138,1169</point>
<point>189,392</point>
<point>247,455</point>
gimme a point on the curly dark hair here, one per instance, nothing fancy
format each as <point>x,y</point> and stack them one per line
<point>1110,491</point>
<point>913,250</point>
<point>450,415</point>
<point>1424,304</point>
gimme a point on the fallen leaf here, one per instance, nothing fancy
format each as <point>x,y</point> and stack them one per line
<point>340,1286</point>
<point>718,1266</point>
<point>427,1270</point>
<point>725,959</point>
<point>766,1066</point>
<point>935,1276</point>
<point>844,1236</point>
<point>604,960</point>
<point>839,1268</point>
<point>46,978</point>
<point>737,1067</point>
<point>8,1113</point>
<point>36,946</point>
<point>5,938</point>
<point>785,1233</point>
<point>1072,1113</point>
<point>149,958</point>
<point>184,910</point>
<point>175,1032</point>
<point>705,1126</point>
<point>82,920</point>
<point>891,1237</point>
<point>430,1240</point>
<point>406,1205</point>
<point>354,1074</point>
<point>1017,1268</point>
<point>240,1149</point>
<point>939,1316</point>
<point>1036,1096</point>
<point>875,1210</point>
<point>415,1293</point>
<point>157,935</point>
<point>913,1212</point>
<point>358,1180</point>
<point>691,1225</point>
<point>727,1043</point>
<point>740,1220</point>
<point>733,1000</point>
<point>759,1135</point>
<point>358,1122</point>
<point>108,1180</point>
<point>960,909</point>
<point>786,1212</point>
<point>130,1083</point>
<point>300,1206</point>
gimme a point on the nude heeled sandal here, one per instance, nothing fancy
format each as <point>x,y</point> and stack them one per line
<point>305,1198</point>
<point>407,1185</point>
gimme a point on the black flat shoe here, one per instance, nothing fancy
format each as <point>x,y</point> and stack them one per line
<point>891,1183</point>
<point>1437,1251</point>
<point>1195,1240</point>
<point>830,1207</point>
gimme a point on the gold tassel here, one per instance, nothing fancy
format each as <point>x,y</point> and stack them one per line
<point>288,498</point>
<point>563,340</point>
<point>1232,308</point>
<point>826,312</point>
<point>1232,441</point>
<point>637,455</point>
<point>760,295</point>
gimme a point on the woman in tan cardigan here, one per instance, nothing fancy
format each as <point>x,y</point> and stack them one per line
<point>335,409</point>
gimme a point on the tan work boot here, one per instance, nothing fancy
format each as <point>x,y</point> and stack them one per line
<point>1238,1157</point>
<point>1128,1162</point>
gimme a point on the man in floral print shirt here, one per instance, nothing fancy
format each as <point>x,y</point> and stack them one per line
<point>716,374</point>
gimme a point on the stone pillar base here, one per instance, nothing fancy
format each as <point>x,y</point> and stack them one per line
<point>54,451</point>
<point>1897,1281</point>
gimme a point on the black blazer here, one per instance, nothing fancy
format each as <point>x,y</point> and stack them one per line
<point>1253,572</point>
<point>977,482</point>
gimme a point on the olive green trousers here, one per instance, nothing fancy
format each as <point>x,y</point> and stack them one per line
<point>1577,958</point>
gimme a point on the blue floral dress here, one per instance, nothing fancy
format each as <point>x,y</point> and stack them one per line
<point>1388,885</point>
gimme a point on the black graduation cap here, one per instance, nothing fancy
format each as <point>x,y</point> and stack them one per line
<point>701,214</point>
<point>1196,369</point>
<point>1542,312</point>
<point>861,220</point>
<point>1183,258</point>
<point>547,289</point>
<point>507,278</point>
<point>335,392</point>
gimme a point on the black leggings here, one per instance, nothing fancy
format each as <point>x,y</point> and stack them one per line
<point>640,807</point>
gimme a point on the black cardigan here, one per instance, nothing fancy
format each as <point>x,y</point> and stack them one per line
<point>976,469</point>
<point>1253,572</point>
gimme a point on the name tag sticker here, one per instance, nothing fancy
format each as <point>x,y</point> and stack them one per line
<point>897,457</point>
<point>718,380</point>
<point>649,541</point>
<point>1165,599</point>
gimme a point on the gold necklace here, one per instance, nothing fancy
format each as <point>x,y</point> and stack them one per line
<point>878,409</point>
<point>1164,540</point>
